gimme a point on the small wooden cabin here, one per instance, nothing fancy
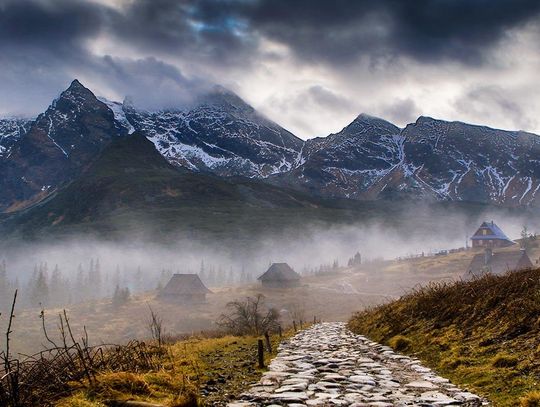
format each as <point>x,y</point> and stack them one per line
<point>280,275</point>
<point>497,263</point>
<point>490,235</point>
<point>184,288</point>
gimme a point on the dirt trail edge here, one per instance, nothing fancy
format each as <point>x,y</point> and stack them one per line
<point>328,365</point>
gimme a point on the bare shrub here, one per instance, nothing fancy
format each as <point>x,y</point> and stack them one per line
<point>43,378</point>
<point>155,326</point>
<point>249,317</point>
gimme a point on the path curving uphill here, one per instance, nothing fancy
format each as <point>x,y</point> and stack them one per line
<point>328,365</point>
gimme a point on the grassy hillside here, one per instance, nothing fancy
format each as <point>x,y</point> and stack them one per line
<point>483,334</point>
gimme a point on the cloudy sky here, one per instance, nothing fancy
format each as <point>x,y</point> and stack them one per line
<point>310,65</point>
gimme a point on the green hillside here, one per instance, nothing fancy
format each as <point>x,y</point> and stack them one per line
<point>131,188</point>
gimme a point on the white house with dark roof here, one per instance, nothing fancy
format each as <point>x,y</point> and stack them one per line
<point>490,235</point>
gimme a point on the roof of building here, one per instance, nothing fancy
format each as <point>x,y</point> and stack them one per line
<point>185,284</point>
<point>499,262</point>
<point>496,232</point>
<point>280,272</point>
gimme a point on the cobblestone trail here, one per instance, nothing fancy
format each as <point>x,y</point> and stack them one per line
<point>328,365</point>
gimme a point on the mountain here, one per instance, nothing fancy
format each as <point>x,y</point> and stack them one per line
<point>56,147</point>
<point>218,134</point>
<point>221,134</point>
<point>350,163</point>
<point>459,161</point>
<point>430,159</point>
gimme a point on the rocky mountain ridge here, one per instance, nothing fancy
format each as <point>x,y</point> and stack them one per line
<point>221,134</point>
<point>428,159</point>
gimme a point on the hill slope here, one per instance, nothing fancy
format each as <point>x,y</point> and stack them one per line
<point>484,334</point>
<point>132,187</point>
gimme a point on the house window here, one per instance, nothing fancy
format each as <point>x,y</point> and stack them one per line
<point>484,232</point>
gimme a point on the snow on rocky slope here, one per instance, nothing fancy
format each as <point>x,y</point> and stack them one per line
<point>11,130</point>
<point>221,134</point>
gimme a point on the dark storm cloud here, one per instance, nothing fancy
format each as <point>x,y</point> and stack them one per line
<point>342,30</point>
<point>156,46</point>
<point>228,31</point>
<point>184,28</point>
<point>41,42</point>
<point>55,27</point>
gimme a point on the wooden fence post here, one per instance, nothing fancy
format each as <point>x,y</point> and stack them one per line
<point>314,319</point>
<point>268,343</point>
<point>280,332</point>
<point>301,323</point>
<point>260,353</point>
<point>294,325</point>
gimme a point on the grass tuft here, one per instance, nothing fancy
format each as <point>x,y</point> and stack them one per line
<point>503,360</point>
<point>400,342</point>
<point>531,399</point>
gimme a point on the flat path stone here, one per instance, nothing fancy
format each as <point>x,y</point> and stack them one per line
<point>328,365</point>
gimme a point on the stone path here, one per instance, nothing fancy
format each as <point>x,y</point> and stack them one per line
<point>328,365</point>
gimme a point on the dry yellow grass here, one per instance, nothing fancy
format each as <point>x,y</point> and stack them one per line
<point>196,371</point>
<point>483,334</point>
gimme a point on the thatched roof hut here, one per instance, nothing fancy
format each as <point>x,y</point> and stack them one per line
<point>185,288</point>
<point>280,275</point>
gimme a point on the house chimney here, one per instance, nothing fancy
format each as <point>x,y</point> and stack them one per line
<point>488,254</point>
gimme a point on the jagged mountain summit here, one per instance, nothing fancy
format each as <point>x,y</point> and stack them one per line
<point>56,146</point>
<point>221,134</point>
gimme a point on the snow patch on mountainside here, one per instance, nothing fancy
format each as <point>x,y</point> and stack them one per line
<point>222,135</point>
<point>119,114</point>
<point>11,130</point>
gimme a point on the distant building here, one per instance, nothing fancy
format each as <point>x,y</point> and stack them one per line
<point>497,263</point>
<point>490,235</point>
<point>184,288</point>
<point>280,275</point>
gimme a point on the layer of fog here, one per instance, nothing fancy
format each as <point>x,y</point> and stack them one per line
<point>88,268</point>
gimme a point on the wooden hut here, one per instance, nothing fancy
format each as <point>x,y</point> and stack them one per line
<point>490,235</point>
<point>497,263</point>
<point>280,275</point>
<point>184,288</point>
